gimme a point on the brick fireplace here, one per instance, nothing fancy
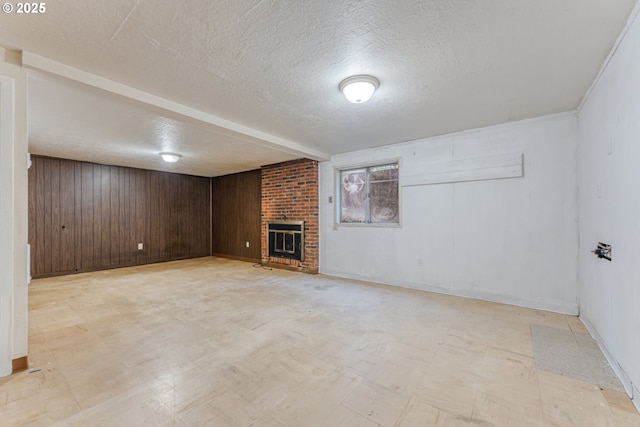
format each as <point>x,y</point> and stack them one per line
<point>290,194</point>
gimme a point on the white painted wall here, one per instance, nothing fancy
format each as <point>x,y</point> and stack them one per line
<point>13,211</point>
<point>509,240</point>
<point>609,204</point>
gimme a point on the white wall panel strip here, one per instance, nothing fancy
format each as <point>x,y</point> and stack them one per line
<point>464,170</point>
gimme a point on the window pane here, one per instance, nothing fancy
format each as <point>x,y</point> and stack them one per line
<point>353,195</point>
<point>384,193</point>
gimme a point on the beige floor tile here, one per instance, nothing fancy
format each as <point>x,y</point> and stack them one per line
<point>513,337</point>
<point>182,389</point>
<point>508,408</point>
<point>576,324</point>
<point>269,388</point>
<point>503,371</point>
<point>236,410</point>
<point>569,402</point>
<point>309,408</point>
<point>337,385</point>
<point>402,379</point>
<point>213,342</point>
<point>419,414</point>
<point>266,421</point>
<point>137,406</point>
<point>448,384</point>
<point>376,403</point>
<point>624,418</point>
<point>619,400</point>
<point>208,410</point>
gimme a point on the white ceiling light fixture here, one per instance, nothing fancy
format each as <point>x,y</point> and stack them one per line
<point>358,89</point>
<point>170,157</point>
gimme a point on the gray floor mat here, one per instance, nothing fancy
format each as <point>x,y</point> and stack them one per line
<point>572,354</point>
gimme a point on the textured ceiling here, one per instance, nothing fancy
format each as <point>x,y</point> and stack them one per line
<point>69,120</point>
<point>274,66</point>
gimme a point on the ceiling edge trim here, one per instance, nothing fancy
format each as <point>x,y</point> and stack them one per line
<point>630,21</point>
<point>32,60</point>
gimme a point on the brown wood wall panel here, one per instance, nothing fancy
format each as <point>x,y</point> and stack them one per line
<point>52,198</point>
<point>41,255</point>
<point>32,212</point>
<point>67,217</point>
<point>107,210</point>
<point>87,215</point>
<point>113,217</point>
<point>142,204</point>
<point>77,202</point>
<point>97,219</point>
<point>103,209</point>
<point>157,220</point>
<point>131,243</point>
<point>235,212</point>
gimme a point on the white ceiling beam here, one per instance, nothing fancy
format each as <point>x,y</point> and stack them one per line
<point>31,60</point>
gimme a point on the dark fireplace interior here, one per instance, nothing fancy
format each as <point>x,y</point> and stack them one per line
<point>286,239</point>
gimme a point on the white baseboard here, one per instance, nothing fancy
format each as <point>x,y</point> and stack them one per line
<point>563,308</point>
<point>628,385</point>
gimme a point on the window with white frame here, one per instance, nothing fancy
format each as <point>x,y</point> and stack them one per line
<point>369,195</point>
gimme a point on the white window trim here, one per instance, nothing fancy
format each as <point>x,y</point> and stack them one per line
<point>336,193</point>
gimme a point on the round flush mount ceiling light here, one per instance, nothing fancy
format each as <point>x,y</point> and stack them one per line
<point>358,89</point>
<point>170,157</point>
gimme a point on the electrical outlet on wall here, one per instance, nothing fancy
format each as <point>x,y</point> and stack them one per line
<point>420,263</point>
<point>140,246</point>
<point>247,244</point>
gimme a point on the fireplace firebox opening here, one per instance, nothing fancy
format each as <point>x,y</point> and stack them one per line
<point>286,239</point>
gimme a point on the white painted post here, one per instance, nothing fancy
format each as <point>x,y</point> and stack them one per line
<point>6,224</point>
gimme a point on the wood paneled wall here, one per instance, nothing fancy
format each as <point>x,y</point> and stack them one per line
<point>236,215</point>
<point>85,216</point>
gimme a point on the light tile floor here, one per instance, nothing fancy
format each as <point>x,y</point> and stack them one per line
<point>213,342</point>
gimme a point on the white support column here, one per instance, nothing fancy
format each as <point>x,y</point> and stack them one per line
<point>6,224</point>
<point>13,211</point>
